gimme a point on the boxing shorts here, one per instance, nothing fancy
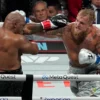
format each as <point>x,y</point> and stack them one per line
<point>78,87</point>
<point>11,88</point>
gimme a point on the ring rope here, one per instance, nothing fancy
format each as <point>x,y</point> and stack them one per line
<point>14,77</point>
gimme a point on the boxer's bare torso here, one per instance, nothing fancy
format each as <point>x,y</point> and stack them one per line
<point>11,47</point>
<point>13,44</point>
<point>9,59</point>
<point>74,45</point>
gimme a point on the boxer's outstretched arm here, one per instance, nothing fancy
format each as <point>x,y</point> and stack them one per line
<point>32,28</point>
<point>56,32</point>
<point>55,22</point>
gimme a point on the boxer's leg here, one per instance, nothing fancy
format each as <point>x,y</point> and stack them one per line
<point>74,84</point>
<point>89,88</point>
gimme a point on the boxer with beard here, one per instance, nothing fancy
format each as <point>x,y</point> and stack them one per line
<point>81,39</point>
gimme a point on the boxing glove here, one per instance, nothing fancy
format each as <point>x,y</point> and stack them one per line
<point>87,57</point>
<point>60,20</point>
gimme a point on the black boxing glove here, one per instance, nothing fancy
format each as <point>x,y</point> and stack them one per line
<point>58,21</point>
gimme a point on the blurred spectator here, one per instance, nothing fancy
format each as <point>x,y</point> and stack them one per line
<point>53,9</point>
<point>95,4</point>
<point>39,11</point>
<point>63,5</point>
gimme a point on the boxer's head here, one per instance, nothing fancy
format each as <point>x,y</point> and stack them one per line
<point>52,10</point>
<point>14,22</point>
<point>83,23</point>
<point>84,20</point>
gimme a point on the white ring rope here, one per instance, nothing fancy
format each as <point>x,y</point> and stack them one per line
<point>52,98</point>
<point>14,77</point>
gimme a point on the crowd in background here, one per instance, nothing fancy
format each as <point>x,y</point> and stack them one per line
<point>38,10</point>
<point>65,6</point>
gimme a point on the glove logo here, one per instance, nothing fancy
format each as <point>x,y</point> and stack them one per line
<point>87,57</point>
<point>90,56</point>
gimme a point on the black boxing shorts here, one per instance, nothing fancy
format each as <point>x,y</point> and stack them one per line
<point>11,88</point>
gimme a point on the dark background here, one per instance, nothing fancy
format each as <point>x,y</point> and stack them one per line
<point>25,5</point>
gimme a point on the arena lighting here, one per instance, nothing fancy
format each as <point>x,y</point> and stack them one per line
<point>52,98</point>
<point>14,77</point>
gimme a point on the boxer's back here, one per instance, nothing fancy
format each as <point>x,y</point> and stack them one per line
<point>8,50</point>
<point>12,43</point>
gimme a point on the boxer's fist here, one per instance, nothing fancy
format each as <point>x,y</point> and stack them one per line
<point>87,57</point>
<point>60,20</point>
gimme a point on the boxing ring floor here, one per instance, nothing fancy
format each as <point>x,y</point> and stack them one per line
<point>47,64</point>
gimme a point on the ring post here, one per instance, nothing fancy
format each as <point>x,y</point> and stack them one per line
<point>27,88</point>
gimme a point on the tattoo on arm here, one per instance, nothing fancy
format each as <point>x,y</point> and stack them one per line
<point>57,32</point>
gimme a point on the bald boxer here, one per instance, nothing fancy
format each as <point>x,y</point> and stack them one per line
<point>78,37</point>
<point>12,46</point>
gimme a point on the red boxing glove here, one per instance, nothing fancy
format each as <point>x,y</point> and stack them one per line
<point>57,21</point>
<point>48,25</point>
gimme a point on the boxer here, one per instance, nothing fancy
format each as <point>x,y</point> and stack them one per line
<point>12,46</point>
<point>77,37</point>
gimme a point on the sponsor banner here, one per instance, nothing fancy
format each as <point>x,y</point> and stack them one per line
<point>51,47</point>
<point>7,77</point>
<point>12,77</point>
<point>59,77</point>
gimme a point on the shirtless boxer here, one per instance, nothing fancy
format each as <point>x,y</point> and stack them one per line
<point>76,36</point>
<point>12,46</point>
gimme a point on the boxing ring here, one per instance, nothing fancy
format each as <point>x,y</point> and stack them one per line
<point>48,64</point>
<point>42,68</point>
<point>47,74</point>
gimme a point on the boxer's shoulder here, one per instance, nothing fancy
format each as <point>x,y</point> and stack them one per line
<point>94,32</point>
<point>96,29</point>
<point>69,27</point>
